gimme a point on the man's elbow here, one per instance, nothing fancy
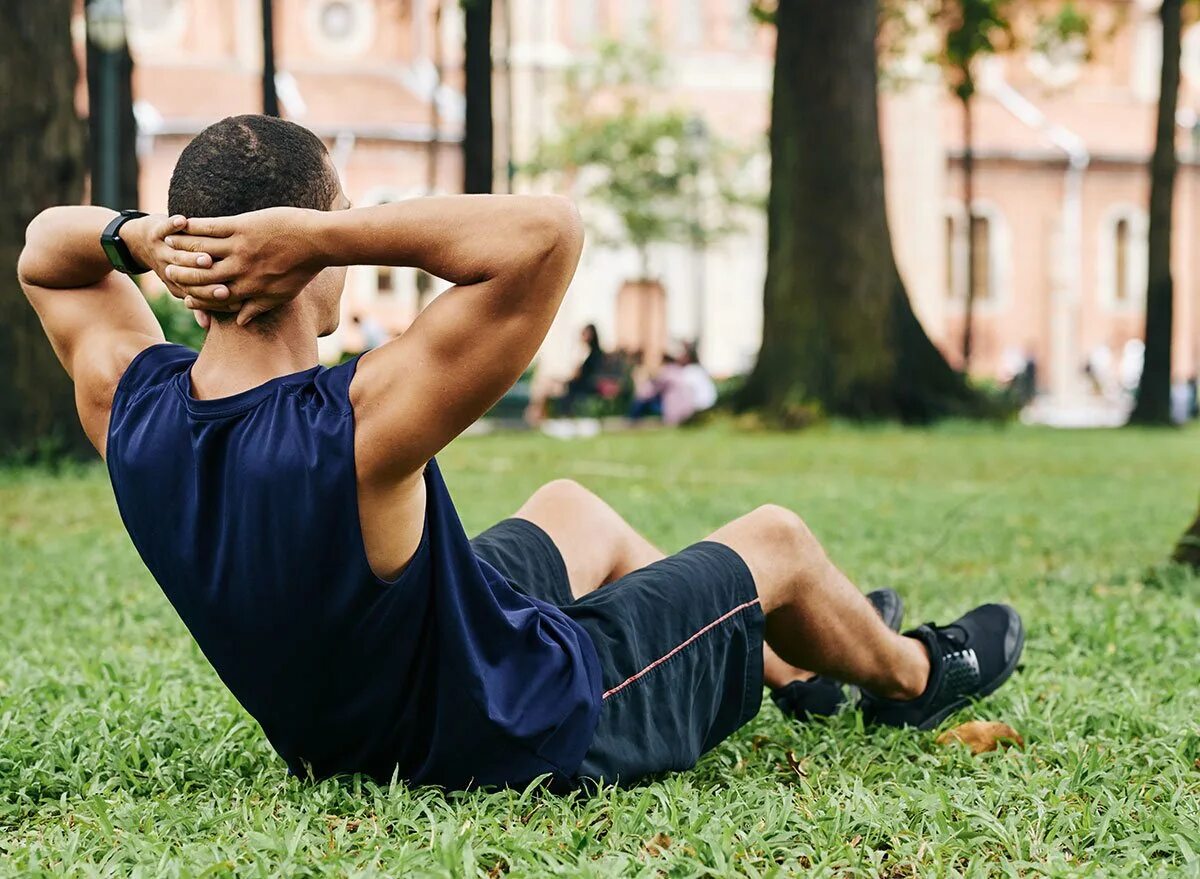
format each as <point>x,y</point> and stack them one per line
<point>33,253</point>
<point>561,227</point>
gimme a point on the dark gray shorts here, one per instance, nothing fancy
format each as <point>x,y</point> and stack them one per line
<point>680,648</point>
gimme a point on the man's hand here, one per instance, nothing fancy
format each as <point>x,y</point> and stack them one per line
<point>147,239</point>
<point>256,261</point>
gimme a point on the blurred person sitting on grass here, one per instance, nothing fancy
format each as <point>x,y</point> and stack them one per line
<point>297,520</point>
<point>681,388</point>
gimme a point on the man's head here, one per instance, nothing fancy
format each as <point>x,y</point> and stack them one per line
<point>247,163</point>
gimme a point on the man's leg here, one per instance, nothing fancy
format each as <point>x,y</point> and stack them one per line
<point>816,619</point>
<point>597,545</point>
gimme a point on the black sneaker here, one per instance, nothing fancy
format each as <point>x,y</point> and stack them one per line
<point>969,659</point>
<point>820,696</point>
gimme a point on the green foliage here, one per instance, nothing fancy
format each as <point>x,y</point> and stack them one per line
<point>972,29</point>
<point>177,322</point>
<point>659,171</point>
<point>121,753</point>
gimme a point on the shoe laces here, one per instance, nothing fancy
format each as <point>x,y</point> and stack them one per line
<point>953,635</point>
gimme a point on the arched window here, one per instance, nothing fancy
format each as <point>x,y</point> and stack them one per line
<point>1121,245</point>
<point>1122,251</point>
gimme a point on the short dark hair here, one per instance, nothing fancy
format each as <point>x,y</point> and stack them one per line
<point>247,163</point>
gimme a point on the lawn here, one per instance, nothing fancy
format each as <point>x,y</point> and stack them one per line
<point>122,755</point>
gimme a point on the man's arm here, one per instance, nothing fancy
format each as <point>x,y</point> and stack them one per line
<point>510,257</point>
<point>96,319</point>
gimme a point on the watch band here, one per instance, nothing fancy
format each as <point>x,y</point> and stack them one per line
<point>116,249</point>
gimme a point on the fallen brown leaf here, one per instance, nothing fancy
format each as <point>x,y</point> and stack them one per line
<point>660,842</point>
<point>982,735</point>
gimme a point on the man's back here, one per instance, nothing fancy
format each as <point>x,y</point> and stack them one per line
<point>245,510</point>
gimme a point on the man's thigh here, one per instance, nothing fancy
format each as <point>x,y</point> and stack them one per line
<point>680,650</point>
<point>528,559</point>
<point>595,543</point>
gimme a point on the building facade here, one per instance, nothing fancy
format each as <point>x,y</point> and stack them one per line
<point>1061,141</point>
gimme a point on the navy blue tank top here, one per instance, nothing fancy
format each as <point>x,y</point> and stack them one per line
<point>245,510</point>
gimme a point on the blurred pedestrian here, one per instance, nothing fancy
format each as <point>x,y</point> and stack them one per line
<point>583,384</point>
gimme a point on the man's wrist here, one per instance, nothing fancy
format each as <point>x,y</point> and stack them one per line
<point>136,235</point>
<point>320,232</point>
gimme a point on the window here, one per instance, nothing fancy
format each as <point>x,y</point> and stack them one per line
<point>689,22</point>
<point>341,27</point>
<point>1122,268</point>
<point>638,21</point>
<point>385,280</point>
<point>991,245</point>
<point>739,24</point>
<point>951,256</point>
<point>583,21</point>
<point>154,15</point>
<point>155,25</point>
<point>981,238</point>
<point>1121,236</point>
<point>337,21</point>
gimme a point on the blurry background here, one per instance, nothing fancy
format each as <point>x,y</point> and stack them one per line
<point>655,116</point>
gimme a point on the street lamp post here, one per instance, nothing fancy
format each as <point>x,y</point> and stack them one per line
<point>270,96</point>
<point>106,32</point>
<point>697,138</point>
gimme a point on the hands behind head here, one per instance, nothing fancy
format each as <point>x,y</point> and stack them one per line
<point>249,263</point>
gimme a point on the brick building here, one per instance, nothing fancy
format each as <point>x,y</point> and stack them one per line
<point>1061,181</point>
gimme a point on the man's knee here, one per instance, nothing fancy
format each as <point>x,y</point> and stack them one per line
<point>564,491</point>
<point>782,530</point>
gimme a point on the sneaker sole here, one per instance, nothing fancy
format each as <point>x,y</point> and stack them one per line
<point>958,704</point>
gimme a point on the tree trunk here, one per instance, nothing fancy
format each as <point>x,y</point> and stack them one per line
<point>838,329</point>
<point>112,152</point>
<point>968,169</point>
<point>269,95</point>
<point>41,164</point>
<point>1153,404</point>
<point>477,67</point>
<point>1187,550</point>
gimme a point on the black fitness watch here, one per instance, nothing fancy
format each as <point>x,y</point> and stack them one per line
<point>117,250</point>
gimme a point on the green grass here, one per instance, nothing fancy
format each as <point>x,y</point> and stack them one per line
<point>121,754</point>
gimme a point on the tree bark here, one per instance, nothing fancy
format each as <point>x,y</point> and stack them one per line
<point>1187,550</point>
<point>121,192</point>
<point>42,147</point>
<point>477,67</point>
<point>1153,404</point>
<point>838,329</point>
<point>968,170</point>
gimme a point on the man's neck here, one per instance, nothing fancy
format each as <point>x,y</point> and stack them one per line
<point>235,359</point>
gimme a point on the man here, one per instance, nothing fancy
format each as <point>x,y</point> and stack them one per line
<point>297,520</point>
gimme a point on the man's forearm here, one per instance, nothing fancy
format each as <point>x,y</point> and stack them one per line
<point>463,239</point>
<point>62,248</point>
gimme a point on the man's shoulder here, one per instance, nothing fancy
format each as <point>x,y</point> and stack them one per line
<point>142,366</point>
<point>116,367</point>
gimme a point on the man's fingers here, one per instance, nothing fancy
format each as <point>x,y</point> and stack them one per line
<point>203,319</point>
<point>197,304</point>
<point>183,258</point>
<point>187,276</point>
<point>217,248</point>
<point>212,227</point>
<point>170,224</point>
<point>209,296</point>
<point>251,309</point>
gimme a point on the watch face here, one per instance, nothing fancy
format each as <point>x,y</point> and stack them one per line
<point>112,252</point>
